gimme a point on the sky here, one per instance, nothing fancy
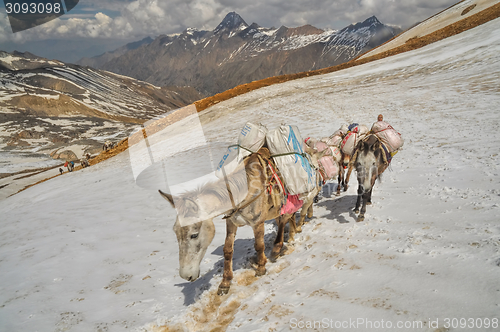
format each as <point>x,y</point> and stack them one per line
<point>96,26</point>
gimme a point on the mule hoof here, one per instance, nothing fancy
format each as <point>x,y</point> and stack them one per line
<point>337,193</point>
<point>223,290</point>
<point>356,211</point>
<point>277,254</point>
<point>361,218</point>
<point>260,272</point>
<point>274,256</point>
<point>368,203</point>
<point>345,188</point>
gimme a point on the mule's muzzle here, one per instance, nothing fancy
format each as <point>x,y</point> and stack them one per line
<point>362,190</point>
<point>190,277</point>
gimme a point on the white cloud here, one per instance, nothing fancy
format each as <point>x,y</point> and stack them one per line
<point>139,18</point>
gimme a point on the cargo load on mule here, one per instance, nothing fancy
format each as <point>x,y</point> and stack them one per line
<point>353,136</point>
<point>388,135</point>
<point>336,138</point>
<point>329,163</point>
<point>286,146</point>
<point>293,171</point>
<point>252,137</point>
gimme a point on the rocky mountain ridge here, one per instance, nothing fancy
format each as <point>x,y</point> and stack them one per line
<point>235,53</point>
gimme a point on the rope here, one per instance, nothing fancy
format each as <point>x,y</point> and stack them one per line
<point>385,153</point>
<point>276,176</point>
<point>239,146</point>
<point>236,209</point>
<point>304,155</point>
<point>288,154</point>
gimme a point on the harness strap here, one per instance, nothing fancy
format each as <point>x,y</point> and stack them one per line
<point>236,209</point>
<point>323,176</point>
<point>243,206</point>
<point>386,155</point>
<point>277,178</point>
<point>228,188</point>
<point>388,127</point>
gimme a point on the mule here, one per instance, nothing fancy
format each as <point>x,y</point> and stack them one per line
<point>108,145</point>
<point>370,163</point>
<point>260,199</point>
<point>311,148</point>
<point>347,167</point>
<point>84,162</point>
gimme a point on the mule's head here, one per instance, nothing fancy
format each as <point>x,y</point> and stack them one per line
<point>346,159</point>
<point>368,162</point>
<point>193,238</point>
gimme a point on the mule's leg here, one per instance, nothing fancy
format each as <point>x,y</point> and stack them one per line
<point>302,218</point>
<point>358,201</point>
<point>369,200</point>
<point>361,216</point>
<point>278,242</point>
<point>260,246</point>
<point>292,228</point>
<point>228,258</point>
<point>346,180</point>
<point>310,211</point>
<point>340,179</point>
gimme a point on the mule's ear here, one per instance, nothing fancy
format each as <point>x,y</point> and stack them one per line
<point>191,207</point>
<point>168,197</point>
<point>376,146</point>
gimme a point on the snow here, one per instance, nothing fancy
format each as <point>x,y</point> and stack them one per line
<point>92,250</point>
<point>8,58</point>
<point>435,23</point>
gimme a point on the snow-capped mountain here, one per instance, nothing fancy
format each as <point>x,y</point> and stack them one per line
<point>235,53</point>
<point>232,22</point>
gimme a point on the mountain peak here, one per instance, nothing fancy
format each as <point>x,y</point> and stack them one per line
<point>371,20</point>
<point>232,21</point>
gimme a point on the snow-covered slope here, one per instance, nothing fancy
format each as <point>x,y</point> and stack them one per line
<point>457,12</point>
<point>92,251</point>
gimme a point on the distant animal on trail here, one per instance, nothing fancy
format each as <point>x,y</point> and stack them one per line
<point>61,170</point>
<point>370,161</point>
<point>355,133</point>
<point>260,199</point>
<point>108,145</point>
<point>84,162</point>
